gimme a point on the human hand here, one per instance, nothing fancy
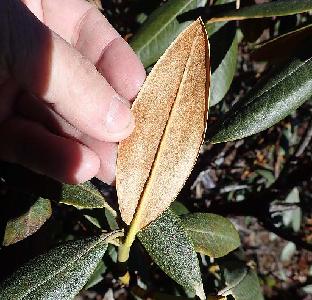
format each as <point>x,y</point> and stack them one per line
<point>59,116</point>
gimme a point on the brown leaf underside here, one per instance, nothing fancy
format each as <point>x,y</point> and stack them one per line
<point>170,113</point>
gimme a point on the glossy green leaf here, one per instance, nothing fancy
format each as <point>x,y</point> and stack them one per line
<point>83,196</point>
<point>268,103</point>
<point>283,46</point>
<point>223,49</point>
<point>28,223</point>
<point>212,235</point>
<point>160,29</point>
<point>270,9</point>
<point>223,56</point>
<point>171,249</point>
<point>242,281</point>
<point>59,274</point>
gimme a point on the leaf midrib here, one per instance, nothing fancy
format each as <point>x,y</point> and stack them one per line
<point>254,99</point>
<point>59,271</point>
<point>140,204</point>
<point>212,235</point>
<point>235,14</point>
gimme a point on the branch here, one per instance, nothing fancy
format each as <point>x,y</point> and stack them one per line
<point>286,235</point>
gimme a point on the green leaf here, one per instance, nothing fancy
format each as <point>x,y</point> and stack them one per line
<point>270,9</point>
<point>268,103</point>
<point>58,274</point>
<point>242,281</point>
<point>179,208</point>
<point>171,249</point>
<point>283,46</point>
<point>211,234</point>
<point>223,51</point>
<point>267,174</point>
<point>160,29</point>
<point>223,56</point>
<point>83,196</point>
<point>97,275</point>
<point>248,288</point>
<point>93,221</point>
<point>111,220</point>
<point>292,218</point>
<point>25,225</point>
<point>102,218</point>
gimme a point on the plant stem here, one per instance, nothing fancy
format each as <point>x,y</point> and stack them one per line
<point>124,248</point>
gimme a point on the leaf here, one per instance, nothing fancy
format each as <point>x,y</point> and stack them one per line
<point>179,208</point>
<point>97,275</point>
<point>160,29</point>
<point>292,217</point>
<point>211,234</point>
<point>248,288</point>
<point>281,47</point>
<point>58,274</point>
<point>270,9</point>
<point>171,249</point>
<point>83,196</point>
<point>223,56</point>
<point>101,218</point>
<point>288,251</point>
<point>224,48</point>
<point>267,175</point>
<point>25,225</point>
<point>170,112</point>
<point>268,103</point>
<point>93,221</point>
<point>242,281</point>
<point>111,220</point>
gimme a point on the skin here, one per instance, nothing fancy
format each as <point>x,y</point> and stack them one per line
<point>66,82</point>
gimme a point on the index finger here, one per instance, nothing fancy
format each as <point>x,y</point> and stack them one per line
<point>81,24</point>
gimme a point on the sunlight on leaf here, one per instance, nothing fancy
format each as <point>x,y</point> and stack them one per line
<point>211,234</point>
<point>171,249</point>
<point>171,113</point>
<point>58,274</point>
<point>270,9</point>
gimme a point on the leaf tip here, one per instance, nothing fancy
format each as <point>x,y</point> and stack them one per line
<point>199,290</point>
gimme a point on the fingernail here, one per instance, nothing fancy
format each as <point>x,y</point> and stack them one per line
<point>119,116</point>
